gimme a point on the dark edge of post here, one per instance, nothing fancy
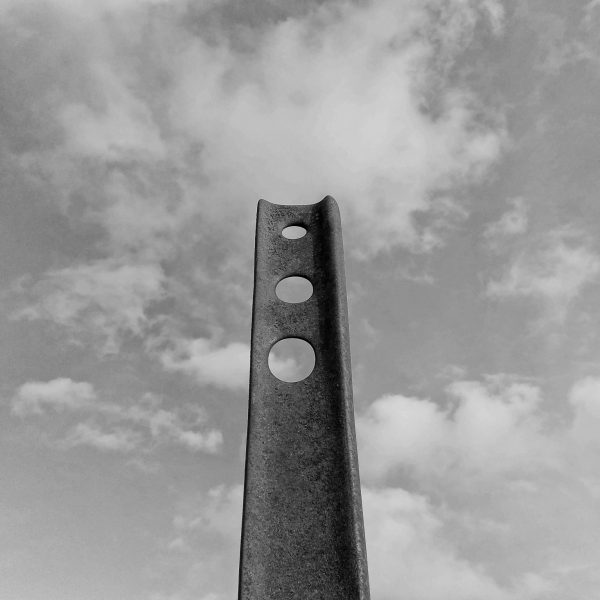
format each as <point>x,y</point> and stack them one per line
<point>249,428</point>
<point>329,205</point>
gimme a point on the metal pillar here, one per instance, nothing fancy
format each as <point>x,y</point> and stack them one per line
<point>302,531</point>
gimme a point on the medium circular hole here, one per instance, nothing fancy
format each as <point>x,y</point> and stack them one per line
<point>294,232</point>
<point>294,289</point>
<point>291,360</point>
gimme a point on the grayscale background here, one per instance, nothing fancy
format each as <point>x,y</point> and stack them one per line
<point>461,139</point>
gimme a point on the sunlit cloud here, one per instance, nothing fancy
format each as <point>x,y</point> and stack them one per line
<point>226,367</point>
<point>489,459</point>
<point>61,394</point>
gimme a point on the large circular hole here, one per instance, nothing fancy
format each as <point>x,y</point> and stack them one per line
<point>294,289</point>
<point>293,232</point>
<point>292,360</point>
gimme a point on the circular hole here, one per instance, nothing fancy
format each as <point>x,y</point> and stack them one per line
<point>291,360</point>
<point>294,289</point>
<point>294,232</point>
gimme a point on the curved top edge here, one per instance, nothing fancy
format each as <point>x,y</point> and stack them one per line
<point>327,200</point>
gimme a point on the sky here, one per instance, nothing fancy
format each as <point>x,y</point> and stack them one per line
<point>461,141</point>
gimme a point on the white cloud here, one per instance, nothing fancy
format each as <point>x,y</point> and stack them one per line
<point>407,552</point>
<point>494,429</point>
<point>485,432</point>
<point>227,367</point>
<point>396,429</point>
<point>209,442</point>
<point>511,490</point>
<point>585,397</point>
<point>553,271</point>
<point>62,394</point>
<point>335,102</point>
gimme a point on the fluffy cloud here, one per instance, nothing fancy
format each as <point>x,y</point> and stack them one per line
<point>34,397</point>
<point>227,367</point>
<point>407,552</point>
<point>502,491</point>
<point>337,101</point>
<point>479,433</point>
<point>585,397</point>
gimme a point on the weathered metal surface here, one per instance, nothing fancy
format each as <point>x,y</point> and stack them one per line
<point>302,532</point>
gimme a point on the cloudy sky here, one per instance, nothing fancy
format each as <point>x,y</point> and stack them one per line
<point>461,140</point>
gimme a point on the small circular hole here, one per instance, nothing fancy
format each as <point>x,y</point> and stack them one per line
<point>291,360</point>
<point>294,289</point>
<point>294,232</point>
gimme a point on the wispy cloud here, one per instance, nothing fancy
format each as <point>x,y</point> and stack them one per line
<point>514,221</point>
<point>164,157</point>
<point>123,427</point>
<point>104,300</point>
<point>553,270</point>
<point>205,539</point>
<point>115,440</point>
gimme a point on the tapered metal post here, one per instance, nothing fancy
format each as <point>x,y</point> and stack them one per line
<point>302,532</point>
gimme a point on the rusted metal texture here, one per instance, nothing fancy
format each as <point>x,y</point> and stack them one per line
<point>302,532</point>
